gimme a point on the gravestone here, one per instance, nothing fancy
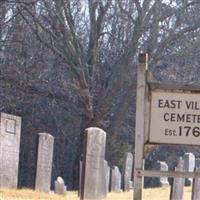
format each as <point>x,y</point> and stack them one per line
<point>107,175</point>
<point>115,183</point>
<point>59,186</point>
<point>119,181</point>
<point>44,162</point>
<point>196,182</point>
<point>9,149</point>
<point>176,192</point>
<point>156,181</point>
<point>163,167</point>
<point>189,163</point>
<point>128,171</point>
<point>93,173</point>
<point>131,184</point>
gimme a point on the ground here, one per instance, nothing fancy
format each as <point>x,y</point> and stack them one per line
<point>148,194</point>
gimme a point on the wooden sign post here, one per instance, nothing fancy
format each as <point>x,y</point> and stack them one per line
<point>165,114</point>
<point>140,124</point>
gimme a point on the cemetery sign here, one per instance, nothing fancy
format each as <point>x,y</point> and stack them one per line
<point>175,118</point>
<point>166,113</point>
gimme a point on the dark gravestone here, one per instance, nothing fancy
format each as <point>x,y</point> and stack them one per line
<point>80,177</point>
<point>44,162</point>
<point>189,164</point>
<point>115,183</point>
<point>93,173</point>
<point>196,183</point>
<point>176,192</point>
<point>107,175</point>
<point>9,150</point>
<point>128,171</point>
<point>59,186</point>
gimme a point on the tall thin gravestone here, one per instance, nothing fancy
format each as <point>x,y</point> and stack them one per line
<point>196,182</point>
<point>189,164</point>
<point>93,174</point>
<point>80,177</point>
<point>115,183</point>
<point>107,175</point>
<point>44,162</point>
<point>9,150</point>
<point>176,192</point>
<point>128,171</point>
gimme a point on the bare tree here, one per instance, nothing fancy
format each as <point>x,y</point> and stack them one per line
<point>88,50</point>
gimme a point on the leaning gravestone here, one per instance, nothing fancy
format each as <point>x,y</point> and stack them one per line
<point>196,182</point>
<point>128,171</point>
<point>93,174</point>
<point>176,192</point>
<point>189,164</point>
<point>44,162</point>
<point>59,186</point>
<point>9,150</point>
<point>115,184</point>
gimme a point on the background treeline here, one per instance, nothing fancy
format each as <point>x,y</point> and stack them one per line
<point>69,64</point>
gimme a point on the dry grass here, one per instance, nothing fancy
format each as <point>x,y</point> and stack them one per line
<point>148,194</point>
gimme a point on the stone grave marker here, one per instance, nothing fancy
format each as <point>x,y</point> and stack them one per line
<point>163,167</point>
<point>119,181</point>
<point>10,133</point>
<point>196,182</point>
<point>44,162</point>
<point>176,192</point>
<point>115,184</point>
<point>189,163</point>
<point>128,171</point>
<point>59,186</point>
<point>107,175</point>
<point>93,173</point>
<point>156,181</point>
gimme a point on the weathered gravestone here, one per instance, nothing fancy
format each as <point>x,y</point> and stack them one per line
<point>44,162</point>
<point>9,150</point>
<point>128,171</point>
<point>107,175</point>
<point>93,173</point>
<point>59,186</point>
<point>115,183</point>
<point>189,164</point>
<point>196,183</point>
<point>176,192</point>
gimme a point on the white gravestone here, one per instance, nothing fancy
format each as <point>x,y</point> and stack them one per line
<point>59,186</point>
<point>93,173</point>
<point>189,164</point>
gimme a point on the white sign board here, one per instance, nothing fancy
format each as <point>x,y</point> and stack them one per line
<point>175,118</point>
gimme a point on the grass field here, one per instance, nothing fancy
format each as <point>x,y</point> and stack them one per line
<point>148,194</point>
